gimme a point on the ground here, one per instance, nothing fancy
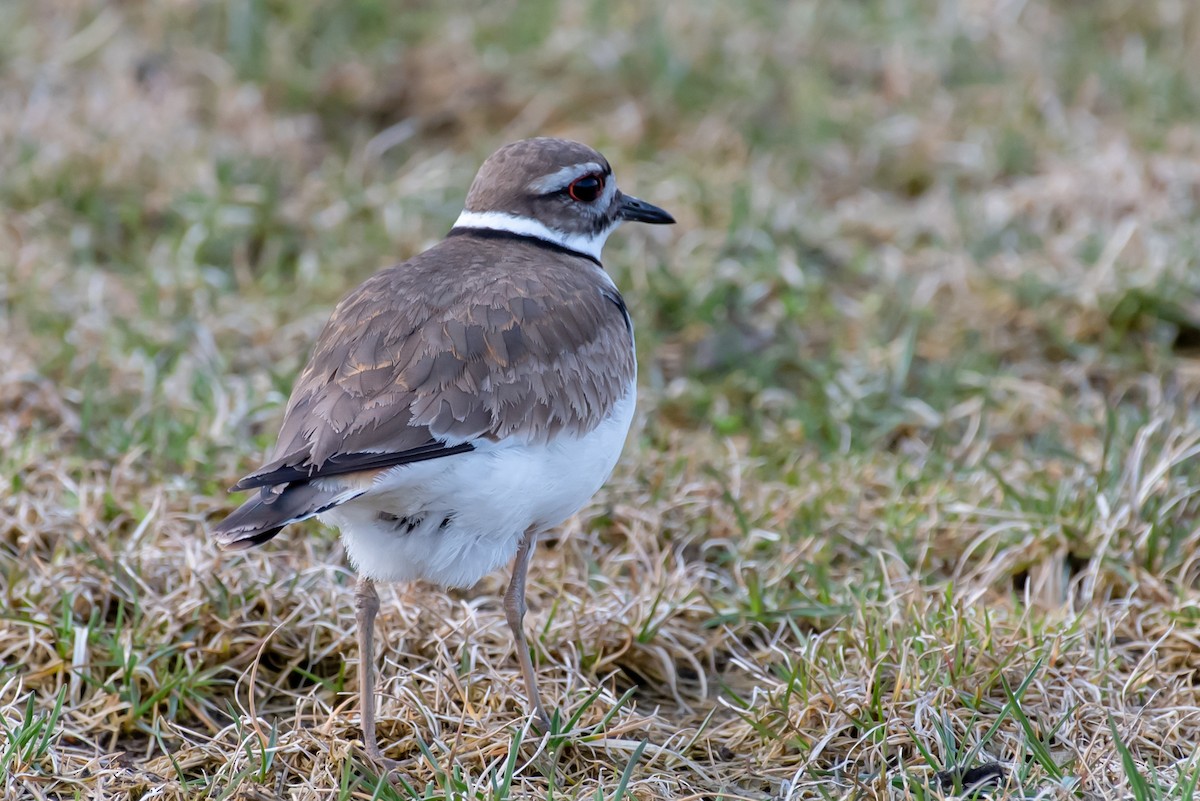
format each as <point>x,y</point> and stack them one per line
<point>911,502</point>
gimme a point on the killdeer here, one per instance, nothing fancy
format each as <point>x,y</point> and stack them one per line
<point>459,404</point>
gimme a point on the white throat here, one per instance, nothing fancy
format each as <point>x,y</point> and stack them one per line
<point>527,226</point>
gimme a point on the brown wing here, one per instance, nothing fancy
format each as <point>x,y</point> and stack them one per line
<point>531,345</point>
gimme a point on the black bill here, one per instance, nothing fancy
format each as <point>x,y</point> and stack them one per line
<point>634,210</point>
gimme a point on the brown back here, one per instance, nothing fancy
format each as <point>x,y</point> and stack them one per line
<point>474,338</point>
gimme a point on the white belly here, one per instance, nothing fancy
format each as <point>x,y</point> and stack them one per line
<point>466,514</point>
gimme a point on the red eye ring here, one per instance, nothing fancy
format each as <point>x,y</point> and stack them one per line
<point>587,188</point>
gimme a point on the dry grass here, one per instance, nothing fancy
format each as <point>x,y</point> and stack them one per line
<point>913,498</point>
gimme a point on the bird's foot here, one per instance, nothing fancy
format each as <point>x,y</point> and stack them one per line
<point>541,721</point>
<point>376,756</point>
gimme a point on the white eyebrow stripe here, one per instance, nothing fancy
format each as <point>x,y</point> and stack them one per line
<point>560,179</point>
<point>527,226</point>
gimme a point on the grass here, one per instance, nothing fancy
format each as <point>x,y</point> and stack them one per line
<point>910,510</point>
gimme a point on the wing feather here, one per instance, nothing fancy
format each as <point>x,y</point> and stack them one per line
<point>507,343</point>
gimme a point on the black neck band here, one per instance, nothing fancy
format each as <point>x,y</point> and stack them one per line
<point>537,241</point>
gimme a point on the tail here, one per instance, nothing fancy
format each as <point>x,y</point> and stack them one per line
<point>263,516</point>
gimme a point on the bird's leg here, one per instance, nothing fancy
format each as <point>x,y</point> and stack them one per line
<point>514,610</point>
<point>366,606</point>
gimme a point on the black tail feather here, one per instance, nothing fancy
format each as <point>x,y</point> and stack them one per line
<point>269,511</point>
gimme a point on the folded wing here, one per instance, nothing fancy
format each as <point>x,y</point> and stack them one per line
<point>491,350</point>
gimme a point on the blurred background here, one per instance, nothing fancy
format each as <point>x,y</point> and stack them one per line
<point>925,343</point>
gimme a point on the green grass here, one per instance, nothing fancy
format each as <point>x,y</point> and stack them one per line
<point>910,509</point>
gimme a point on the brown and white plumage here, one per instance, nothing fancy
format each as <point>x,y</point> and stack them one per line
<point>460,403</point>
<point>505,345</point>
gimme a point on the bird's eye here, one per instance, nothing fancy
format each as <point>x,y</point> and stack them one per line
<point>587,188</point>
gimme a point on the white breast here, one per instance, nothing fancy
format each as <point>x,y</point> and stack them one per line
<point>466,513</point>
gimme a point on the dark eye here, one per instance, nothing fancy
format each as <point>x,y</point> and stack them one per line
<point>587,188</point>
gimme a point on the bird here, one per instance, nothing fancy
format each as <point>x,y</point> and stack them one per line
<point>461,404</point>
